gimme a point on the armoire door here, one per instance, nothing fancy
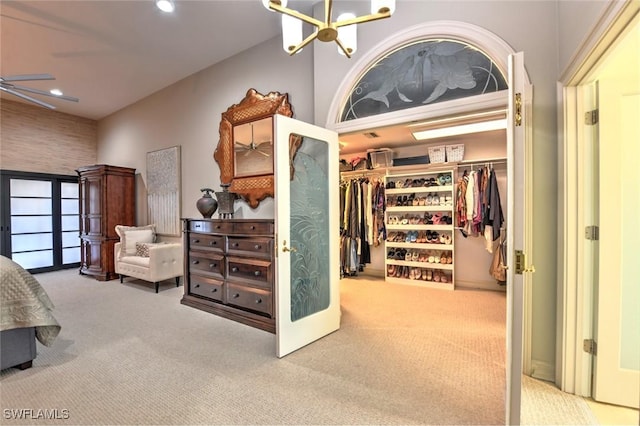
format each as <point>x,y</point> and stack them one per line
<point>307,234</point>
<point>518,135</point>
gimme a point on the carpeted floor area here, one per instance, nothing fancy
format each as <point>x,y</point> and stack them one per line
<point>403,355</point>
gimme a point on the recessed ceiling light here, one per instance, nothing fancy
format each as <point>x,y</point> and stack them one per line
<point>165,5</point>
<point>56,92</point>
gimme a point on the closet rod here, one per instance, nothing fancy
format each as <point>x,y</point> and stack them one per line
<point>361,173</point>
<point>498,160</point>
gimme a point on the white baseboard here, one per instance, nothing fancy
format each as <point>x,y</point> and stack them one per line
<point>543,370</point>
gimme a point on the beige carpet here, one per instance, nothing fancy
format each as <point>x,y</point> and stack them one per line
<point>126,355</point>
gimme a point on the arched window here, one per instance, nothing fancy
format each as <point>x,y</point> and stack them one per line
<point>420,73</point>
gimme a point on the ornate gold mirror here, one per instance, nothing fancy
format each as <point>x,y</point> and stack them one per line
<point>245,150</point>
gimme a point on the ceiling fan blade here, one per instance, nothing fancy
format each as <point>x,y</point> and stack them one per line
<point>243,145</point>
<point>27,98</point>
<point>28,77</point>
<point>42,92</point>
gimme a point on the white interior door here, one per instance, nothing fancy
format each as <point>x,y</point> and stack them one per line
<point>307,233</point>
<point>616,378</point>
<point>518,131</point>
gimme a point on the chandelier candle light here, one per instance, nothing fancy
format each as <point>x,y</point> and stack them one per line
<point>342,31</point>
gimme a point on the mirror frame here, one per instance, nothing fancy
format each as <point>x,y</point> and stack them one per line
<point>254,106</point>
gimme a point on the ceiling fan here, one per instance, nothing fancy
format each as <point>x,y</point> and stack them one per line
<point>251,147</point>
<point>7,86</point>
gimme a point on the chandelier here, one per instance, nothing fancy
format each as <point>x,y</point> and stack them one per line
<point>343,31</point>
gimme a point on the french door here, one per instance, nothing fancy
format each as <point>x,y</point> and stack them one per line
<point>307,234</point>
<point>40,221</point>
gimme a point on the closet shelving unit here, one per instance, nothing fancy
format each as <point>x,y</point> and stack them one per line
<point>417,269</point>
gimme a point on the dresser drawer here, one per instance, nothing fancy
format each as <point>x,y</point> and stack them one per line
<point>206,242</point>
<point>205,287</point>
<point>253,270</point>
<point>210,263</point>
<point>251,298</point>
<point>253,228</point>
<point>211,226</point>
<point>259,247</point>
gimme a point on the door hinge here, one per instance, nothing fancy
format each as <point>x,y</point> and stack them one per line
<point>590,346</point>
<point>591,117</point>
<point>518,110</point>
<point>520,262</point>
<point>592,232</point>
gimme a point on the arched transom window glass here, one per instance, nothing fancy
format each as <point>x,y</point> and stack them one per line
<point>421,73</point>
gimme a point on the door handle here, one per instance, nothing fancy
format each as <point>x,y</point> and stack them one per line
<point>286,249</point>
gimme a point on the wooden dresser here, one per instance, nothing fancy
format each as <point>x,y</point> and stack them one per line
<point>107,199</point>
<point>229,269</point>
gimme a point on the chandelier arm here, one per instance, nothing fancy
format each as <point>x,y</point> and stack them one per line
<point>361,19</point>
<point>295,14</point>
<point>343,47</point>
<point>328,10</point>
<point>304,43</point>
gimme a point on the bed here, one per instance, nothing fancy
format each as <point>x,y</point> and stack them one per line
<point>25,315</point>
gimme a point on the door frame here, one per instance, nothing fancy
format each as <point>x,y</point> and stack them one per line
<point>574,306</point>
<point>499,51</point>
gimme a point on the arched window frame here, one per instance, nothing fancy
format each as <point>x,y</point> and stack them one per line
<point>490,44</point>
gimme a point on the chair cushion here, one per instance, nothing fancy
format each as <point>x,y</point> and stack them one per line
<point>142,249</point>
<point>130,235</point>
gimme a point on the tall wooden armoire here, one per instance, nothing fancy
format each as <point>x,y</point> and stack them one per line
<point>107,199</point>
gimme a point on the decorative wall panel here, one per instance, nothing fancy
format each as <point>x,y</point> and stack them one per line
<point>163,190</point>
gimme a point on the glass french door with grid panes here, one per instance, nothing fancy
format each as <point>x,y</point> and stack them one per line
<point>40,221</point>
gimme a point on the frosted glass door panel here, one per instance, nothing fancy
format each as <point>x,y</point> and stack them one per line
<point>70,255</point>
<point>30,188</point>
<point>310,286</point>
<point>34,259</point>
<point>70,206</point>
<point>40,206</point>
<point>69,190</point>
<point>27,242</point>
<point>24,224</point>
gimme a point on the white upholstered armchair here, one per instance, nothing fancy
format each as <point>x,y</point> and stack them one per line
<point>138,255</point>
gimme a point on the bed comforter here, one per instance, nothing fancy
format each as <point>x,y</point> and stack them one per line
<point>24,303</point>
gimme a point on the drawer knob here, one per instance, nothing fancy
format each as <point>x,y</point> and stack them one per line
<point>197,225</point>
<point>213,243</point>
<point>197,285</point>
<point>253,227</point>
<point>235,296</point>
<point>213,265</point>
<point>214,290</point>
<point>195,262</point>
<point>234,269</point>
<point>217,226</point>
<point>257,247</point>
<point>235,244</point>
<point>258,300</point>
<point>195,241</point>
<point>256,273</point>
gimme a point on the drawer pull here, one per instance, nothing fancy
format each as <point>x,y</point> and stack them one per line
<point>258,300</point>
<point>257,247</point>
<point>217,226</point>
<point>195,262</point>
<point>234,269</point>
<point>236,295</point>
<point>214,290</point>
<point>197,225</point>
<point>256,273</point>
<point>235,244</point>
<point>197,285</point>
<point>195,241</point>
<point>213,265</point>
<point>253,227</point>
<point>213,243</point>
